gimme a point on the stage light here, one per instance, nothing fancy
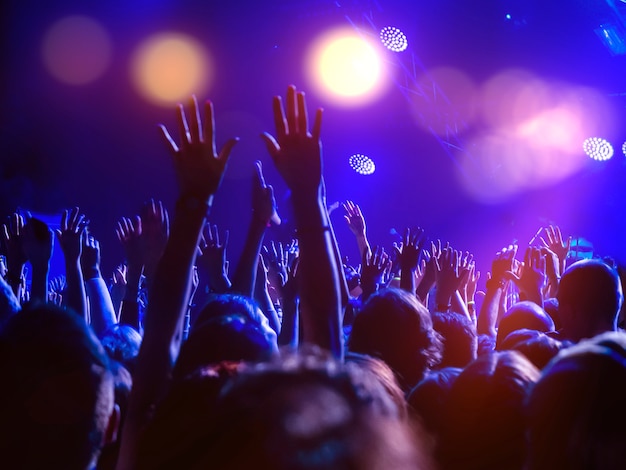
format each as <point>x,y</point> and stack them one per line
<point>169,67</point>
<point>76,50</point>
<point>362,164</point>
<point>345,68</point>
<point>624,148</point>
<point>393,39</point>
<point>598,149</point>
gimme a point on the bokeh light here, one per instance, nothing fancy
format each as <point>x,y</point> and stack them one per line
<point>362,164</point>
<point>531,135</point>
<point>598,148</point>
<point>393,39</point>
<point>624,148</point>
<point>76,50</point>
<point>345,68</point>
<point>169,67</point>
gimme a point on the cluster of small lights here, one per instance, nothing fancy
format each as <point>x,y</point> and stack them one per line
<point>624,148</point>
<point>393,39</point>
<point>362,164</point>
<point>598,149</point>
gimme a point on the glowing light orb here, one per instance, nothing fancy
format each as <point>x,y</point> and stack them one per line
<point>393,39</point>
<point>169,67</point>
<point>76,50</point>
<point>345,68</point>
<point>598,149</point>
<point>624,148</point>
<point>362,164</point>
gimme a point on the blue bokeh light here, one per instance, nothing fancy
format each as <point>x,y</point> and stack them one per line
<point>598,148</point>
<point>393,39</point>
<point>362,164</point>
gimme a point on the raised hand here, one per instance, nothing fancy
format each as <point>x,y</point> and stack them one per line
<point>354,219</point>
<point>12,234</point>
<point>263,202</point>
<point>449,276</point>
<point>296,152</point>
<point>71,236</point>
<point>555,243</point>
<point>277,262</point>
<point>198,165</point>
<point>154,232</point>
<point>532,278</point>
<point>71,233</point>
<point>552,271</point>
<point>214,260</point>
<point>503,262</point>
<point>429,274</point>
<point>373,270</point>
<point>409,255</point>
<point>128,233</point>
<point>90,258</point>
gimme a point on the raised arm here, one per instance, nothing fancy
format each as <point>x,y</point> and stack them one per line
<point>199,168</point>
<point>297,154</point>
<point>488,316</point>
<point>70,235</point>
<point>356,223</point>
<point>263,212</point>
<point>12,234</point>
<point>100,305</point>
<point>128,232</point>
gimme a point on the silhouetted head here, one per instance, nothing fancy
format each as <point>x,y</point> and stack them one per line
<point>225,338</point>
<point>523,315</point>
<point>57,397</point>
<point>395,327</point>
<point>460,340</point>
<point>590,297</point>
<point>576,411</point>
<point>483,424</point>
<point>300,411</point>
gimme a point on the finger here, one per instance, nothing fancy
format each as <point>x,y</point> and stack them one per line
<point>224,154</point>
<point>292,110</point>
<point>167,140</point>
<point>183,127</point>
<point>196,124</point>
<point>279,118</point>
<point>64,220</point>
<point>272,146</point>
<point>259,174</point>
<point>209,124</point>
<point>317,125</point>
<point>303,124</point>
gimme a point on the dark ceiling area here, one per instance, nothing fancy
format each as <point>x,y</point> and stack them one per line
<point>96,145</point>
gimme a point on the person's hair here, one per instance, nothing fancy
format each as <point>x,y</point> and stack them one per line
<point>224,338</point>
<point>523,315</point>
<point>57,395</point>
<point>428,398</point>
<point>383,373</point>
<point>593,290</point>
<point>576,411</point>
<point>121,343</point>
<point>300,411</point>
<point>395,327</point>
<point>483,424</point>
<point>539,348</point>
<point>219,305</point>
<point>460,340</point>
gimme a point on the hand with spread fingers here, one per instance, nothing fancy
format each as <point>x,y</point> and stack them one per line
<point>198,165</point>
